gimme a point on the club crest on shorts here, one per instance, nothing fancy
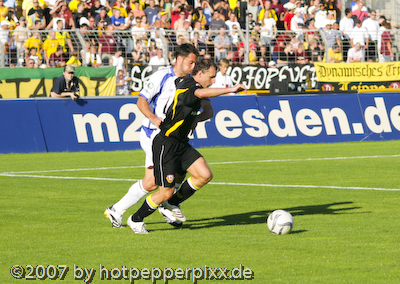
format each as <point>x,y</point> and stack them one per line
<point>170,178</point>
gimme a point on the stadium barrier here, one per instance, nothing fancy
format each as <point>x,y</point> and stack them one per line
<point>337,77</point>
<point>30,83</point>
<point>113,123</point>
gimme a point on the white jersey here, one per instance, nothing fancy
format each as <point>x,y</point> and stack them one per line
<point>159,92</point>
<point>157,95</point>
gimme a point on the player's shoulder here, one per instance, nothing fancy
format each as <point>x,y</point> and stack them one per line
<point>158,79</point>
<point>162,72</point>
<point>186,82</point>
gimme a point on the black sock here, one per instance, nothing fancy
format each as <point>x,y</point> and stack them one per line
<point>184,192</point>
<point>145,210</point>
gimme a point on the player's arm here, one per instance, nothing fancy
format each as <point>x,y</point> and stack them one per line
<point>143,106</point>
<point>215,92</point>
<point>207,112</point>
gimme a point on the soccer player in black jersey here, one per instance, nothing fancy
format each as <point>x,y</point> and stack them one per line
<point>171,151</point>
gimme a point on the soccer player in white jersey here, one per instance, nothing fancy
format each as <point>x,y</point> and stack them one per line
<point>153,102</point>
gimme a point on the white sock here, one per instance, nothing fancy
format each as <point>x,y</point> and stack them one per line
<point>134,194</point>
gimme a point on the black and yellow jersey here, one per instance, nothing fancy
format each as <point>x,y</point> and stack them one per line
<point>183,110</point>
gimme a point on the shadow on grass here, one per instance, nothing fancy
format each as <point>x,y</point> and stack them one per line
<point>258,217</point>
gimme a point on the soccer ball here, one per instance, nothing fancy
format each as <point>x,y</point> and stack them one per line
<point>280,222</point>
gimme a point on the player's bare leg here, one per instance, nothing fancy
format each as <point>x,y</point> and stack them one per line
<point>201,175</point>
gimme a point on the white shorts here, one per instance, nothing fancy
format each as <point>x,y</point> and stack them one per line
<point>147,143</point>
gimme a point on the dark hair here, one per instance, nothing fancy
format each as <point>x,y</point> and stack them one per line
<point>348,10</point>
<point>203,65</point>
<point>387,25</point>
<point>185,49</point>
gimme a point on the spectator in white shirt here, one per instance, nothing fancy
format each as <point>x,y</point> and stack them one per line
<point>223,80</point>
<point>297,22</point>
<point>138,32</point>
<point>159,59</point>
<point>118,60</point>
<point>268,30</point>
<point>320,17</point>
<point>372,26</point>
<point>253,8</point>
<point>355,54</point>
<point>359,35</point>
<point>346,24</point>
<point>232,21</point>
<point>313,9</point>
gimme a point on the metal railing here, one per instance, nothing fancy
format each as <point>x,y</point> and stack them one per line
<point>261,49</point>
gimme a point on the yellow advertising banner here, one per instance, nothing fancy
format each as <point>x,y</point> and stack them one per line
<point>30,83</point>
<point>358,72</point>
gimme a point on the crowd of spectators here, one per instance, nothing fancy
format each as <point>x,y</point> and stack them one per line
<point>41,33</point>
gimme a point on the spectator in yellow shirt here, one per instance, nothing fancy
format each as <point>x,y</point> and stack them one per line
<point>118,5</point>
<point>63,37</point>
<point>33,41</point>
<point>73,5</point>
<point>28,4</point>
<point>50,46</point>
<point>3,11</point>
<point>271,12</point>
<point>335,54</point>
<point>73,60</point>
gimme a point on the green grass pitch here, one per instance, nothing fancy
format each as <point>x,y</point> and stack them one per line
<point>344,198</point>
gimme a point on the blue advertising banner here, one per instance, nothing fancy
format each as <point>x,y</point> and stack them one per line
<point>90,124</point>
<point>20,129</point>
<point>106,124</point>
<point>236,122</point>
<point>313,119</point>
<point>382,115</point>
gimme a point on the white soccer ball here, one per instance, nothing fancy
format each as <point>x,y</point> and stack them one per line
<point>280,222</point>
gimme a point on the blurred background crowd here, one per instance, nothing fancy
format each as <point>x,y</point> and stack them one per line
<point>124,33</point>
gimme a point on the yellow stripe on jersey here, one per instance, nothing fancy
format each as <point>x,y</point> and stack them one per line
<point>177,93</point>
<point>174,127</point>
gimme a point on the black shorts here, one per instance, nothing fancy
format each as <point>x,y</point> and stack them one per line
<point>171,157</point>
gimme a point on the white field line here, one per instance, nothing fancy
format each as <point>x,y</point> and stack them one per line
<point>33,174</point>
<point>216,163</point>
<point>213,183</point>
